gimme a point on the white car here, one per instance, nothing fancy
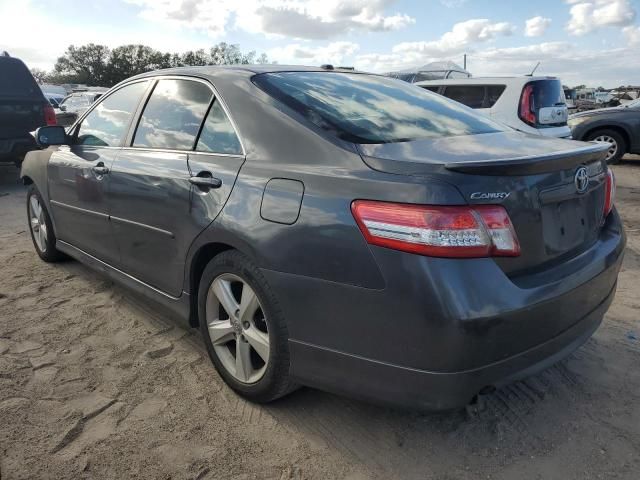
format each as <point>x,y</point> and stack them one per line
<point>530,104</point>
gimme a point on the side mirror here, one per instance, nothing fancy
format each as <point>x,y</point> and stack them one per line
<point>54,135</point>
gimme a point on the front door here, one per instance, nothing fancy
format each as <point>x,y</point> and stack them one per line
<point>153,190</point>
<point>79,175</point>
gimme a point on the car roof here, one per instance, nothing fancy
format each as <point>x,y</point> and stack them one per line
<point>240,70</point>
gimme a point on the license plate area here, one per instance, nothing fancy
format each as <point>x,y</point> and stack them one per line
<point>568,224</point>
<point>553,115</point>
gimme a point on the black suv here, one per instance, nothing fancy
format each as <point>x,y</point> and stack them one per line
<point>23,108</point>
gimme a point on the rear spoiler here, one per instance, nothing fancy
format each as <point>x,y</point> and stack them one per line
<point>533,164</point>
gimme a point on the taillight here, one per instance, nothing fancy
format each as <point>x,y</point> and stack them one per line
<point>49,115</point>
<point>609,192</point>
<point>437,231</point>
<point>527,109</point>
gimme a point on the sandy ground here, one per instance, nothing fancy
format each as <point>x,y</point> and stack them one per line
<point>97,383</point>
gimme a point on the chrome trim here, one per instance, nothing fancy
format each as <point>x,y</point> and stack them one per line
<point>68,245</point>
<point>142,225</point>
<point>182,152</point>
<point>78,209</point>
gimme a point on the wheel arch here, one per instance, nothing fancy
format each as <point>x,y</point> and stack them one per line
<point>616,128</point>
<point>200,259</point>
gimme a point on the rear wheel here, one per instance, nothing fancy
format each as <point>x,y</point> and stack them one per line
<point>615,141</point>
<point>40,227</point>
<point>243,329</point>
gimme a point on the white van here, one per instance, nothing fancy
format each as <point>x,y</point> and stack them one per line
<point>530,104</point>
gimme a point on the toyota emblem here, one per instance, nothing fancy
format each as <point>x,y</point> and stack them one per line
<point>581,180</point>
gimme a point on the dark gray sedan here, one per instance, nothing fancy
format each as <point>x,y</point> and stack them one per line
<point>335,229</point>
<point>617,127</point>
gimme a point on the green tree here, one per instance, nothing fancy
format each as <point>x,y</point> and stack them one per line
<point>97,65</point>
<point>87,64</point>
<point>40,75</point>
<point>129,60</point>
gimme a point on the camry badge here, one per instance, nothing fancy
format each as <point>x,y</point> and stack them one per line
<point>581,180</point>
<point>489,195</point>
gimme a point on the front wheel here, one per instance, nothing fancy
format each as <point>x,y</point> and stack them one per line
<point>41,228</point>
<point>243,328</point>
<point>615,141</point>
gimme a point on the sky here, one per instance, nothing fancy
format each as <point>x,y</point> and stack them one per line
<point>592,42</point>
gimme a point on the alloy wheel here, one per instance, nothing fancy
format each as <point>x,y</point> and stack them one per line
<point>237,328</point>
<point>613,145</point>
<point>37,223</point>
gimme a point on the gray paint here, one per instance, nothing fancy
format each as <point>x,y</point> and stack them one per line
<point>281,200</point>
<point>347,304</point>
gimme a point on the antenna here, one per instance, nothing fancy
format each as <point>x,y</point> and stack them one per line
<point>534,69</point>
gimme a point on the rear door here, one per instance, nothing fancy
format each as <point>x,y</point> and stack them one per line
<point>79,175</point>
<point>157,208</point>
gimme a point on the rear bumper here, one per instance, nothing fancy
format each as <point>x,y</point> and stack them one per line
<point>442,329</point>
<point>385,383</point>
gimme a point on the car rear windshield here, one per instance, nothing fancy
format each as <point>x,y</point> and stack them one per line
<point>548,93</point>
<point>362,108</point>
<point>16,80</point>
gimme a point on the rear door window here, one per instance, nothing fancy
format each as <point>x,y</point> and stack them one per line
<point>173,115</point>
<point>107,124</point>
<point>432,89</point>
<point>469,95</point>
<point>218,134</point>
<point>362,108</point>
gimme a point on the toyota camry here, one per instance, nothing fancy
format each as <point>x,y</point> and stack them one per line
<point>335,229</point>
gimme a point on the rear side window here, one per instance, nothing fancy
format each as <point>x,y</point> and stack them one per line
<point>475,96</point>
<point>16,80</point>
<point>218,135</point>
<point>173,115</point>
<point>494,92</point>
<point>363,108</point>
<point>432,89</point>
<point>469,95</point>
<point>106,125</point>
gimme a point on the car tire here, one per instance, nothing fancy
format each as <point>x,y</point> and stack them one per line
<point>41,228</point>
<point>615,139</point>
<point>231,273</point>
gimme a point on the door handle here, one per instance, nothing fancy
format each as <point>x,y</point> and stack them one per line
<point>205,180</point>
<point>100,169</point>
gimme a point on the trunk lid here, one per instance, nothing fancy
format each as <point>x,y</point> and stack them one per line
<point>556,210</point>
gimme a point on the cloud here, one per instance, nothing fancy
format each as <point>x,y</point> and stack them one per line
<point>572,63</point>
<point>536,26</point>
<point>632,35</point>
<point>37,47</point>
<point>310,19</point>
<point>454,42</point>
<point>461,35</point>
<point>453,3</point>
<point>334,53</point>
<point>589,16</point>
